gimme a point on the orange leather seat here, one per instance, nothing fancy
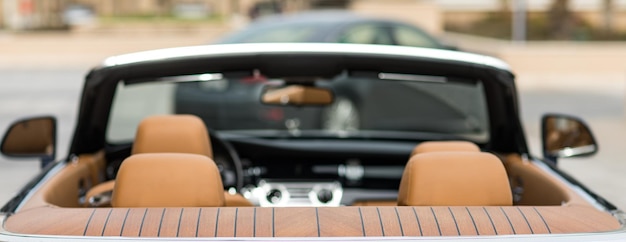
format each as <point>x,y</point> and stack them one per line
<point>168,180</point>
<point>436,146</point>
<point>454,179</point>
<point>167,134</point>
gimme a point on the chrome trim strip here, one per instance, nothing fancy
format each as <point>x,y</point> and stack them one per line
<point>192,78</point>
<point>410,77</point>
<point>276,48</point>
<point>569,151</point>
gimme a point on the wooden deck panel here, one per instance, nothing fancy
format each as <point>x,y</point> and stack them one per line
<point>310,221</point>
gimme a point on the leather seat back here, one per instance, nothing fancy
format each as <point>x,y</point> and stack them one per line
<point>454,179</point>
<point>167,134</point>
<point>168,180</point>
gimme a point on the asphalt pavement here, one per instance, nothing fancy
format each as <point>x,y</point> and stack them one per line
<point>42,74</point>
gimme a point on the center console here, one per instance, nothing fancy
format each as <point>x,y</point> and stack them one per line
<point>289,193</point>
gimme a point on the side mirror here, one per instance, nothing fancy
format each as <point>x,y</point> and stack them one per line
<point>296,95</point>
<point>566,136</point>
<point>33,137</point>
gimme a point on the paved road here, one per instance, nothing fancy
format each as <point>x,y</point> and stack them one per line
<point>49,82</point>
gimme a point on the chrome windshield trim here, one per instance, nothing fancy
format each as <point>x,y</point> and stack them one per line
<point>411,77</point>
<point>277,48</point>
<point>192,78</point>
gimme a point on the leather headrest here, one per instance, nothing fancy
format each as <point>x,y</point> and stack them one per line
<point>454,179</point>
<point>168,180</point>
<point>435,146</point>
<point>172,134</point>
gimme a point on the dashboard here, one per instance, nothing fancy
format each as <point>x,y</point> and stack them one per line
<point>314,172</point>
<point>302,172</point>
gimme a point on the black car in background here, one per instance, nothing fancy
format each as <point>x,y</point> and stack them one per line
<point>333,27</point>
<point>233,99</point>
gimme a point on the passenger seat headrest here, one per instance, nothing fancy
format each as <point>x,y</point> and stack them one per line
<point>172,134</point>
<point>435,146</point>
<point>454,179</point>
<point>168,180</point>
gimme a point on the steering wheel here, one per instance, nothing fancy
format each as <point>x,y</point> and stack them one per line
<point>227,160</point>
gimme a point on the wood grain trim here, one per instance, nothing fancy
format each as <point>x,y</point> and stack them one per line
<point>310,221</point>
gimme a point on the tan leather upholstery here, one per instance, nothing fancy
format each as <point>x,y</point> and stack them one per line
<point>168,180</point>
<point>172,133</point>
<point>531,186</point>
<point>436,146</point>
<point>66,187</point>
<point>99,196</point>
<point>163,134</point>
<point>236,200</point>
<point>454,179</point>
<point>97,166</point>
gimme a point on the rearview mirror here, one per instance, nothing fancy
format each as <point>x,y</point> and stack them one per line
<point>33,137</point>
<point>296,95</point>
<point>566,136</point>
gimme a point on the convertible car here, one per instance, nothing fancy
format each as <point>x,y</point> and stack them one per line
<point>438,154</point>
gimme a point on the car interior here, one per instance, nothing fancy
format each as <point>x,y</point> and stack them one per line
<point>451,166</point>
<point>159,140</point>
<point>170,174</point>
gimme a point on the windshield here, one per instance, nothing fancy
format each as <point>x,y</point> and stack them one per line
<point>384,105</point>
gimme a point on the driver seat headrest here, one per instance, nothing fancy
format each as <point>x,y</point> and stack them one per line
<point>172,134</point>
<point>436,146</point>
<point>454,179</point>
<point>168,180</point>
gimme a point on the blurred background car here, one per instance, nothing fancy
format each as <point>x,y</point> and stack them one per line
<point>234,99</point>
<point>334,26</point>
